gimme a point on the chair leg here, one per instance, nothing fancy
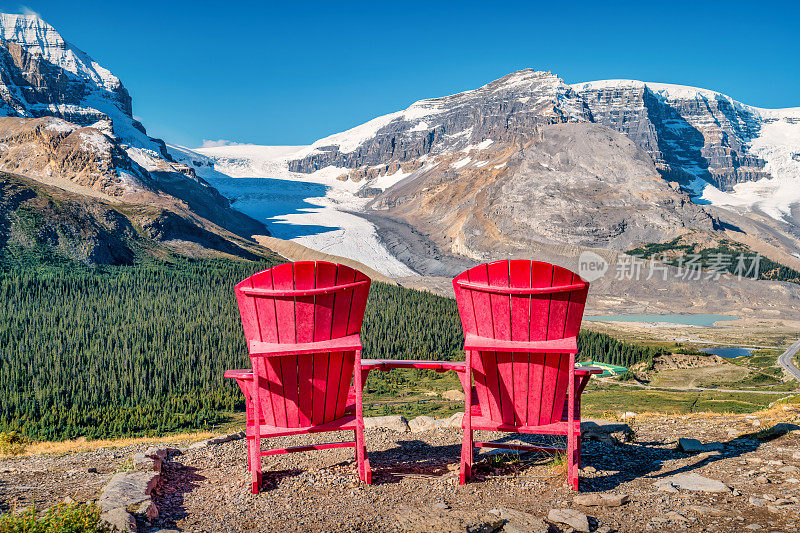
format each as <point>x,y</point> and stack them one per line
<point>573,462</point>
<point>364,470</point>
<point>467,452</point>
<point>254,463</point>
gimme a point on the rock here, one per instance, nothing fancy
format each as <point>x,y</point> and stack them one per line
<point>91,470</point>
<point>148,509</point>
<point>602,500</point>
<point>454,421</point>
<point>421,423</point>
<point>142,462</point>
<point>393,422</point>
<point>676,516</point>
<point>754,527</point>
<point>119,519</point>
<point>790,469</point>
<point>156,453</point>
<point>486,524</point>
<point>128,489</point>
<point>628,415</point>
<point>610,433</point>
<point>575,519</point>
<point>226,438</point>
<point>695,446</point>
<point>441,505</point>
<point>198,445</point>
<point>519,522</point>
<point>455,395</point>
<point>756,501</point>
<point>796,455</point>
<point>691,481</point>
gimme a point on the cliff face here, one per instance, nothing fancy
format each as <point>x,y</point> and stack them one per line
<point>689,133</point>
<point>507,111</point>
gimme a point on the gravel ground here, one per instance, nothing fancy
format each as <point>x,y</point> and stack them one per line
<point>415,482</point>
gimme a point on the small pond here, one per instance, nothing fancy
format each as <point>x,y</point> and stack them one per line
<point>729,351</point>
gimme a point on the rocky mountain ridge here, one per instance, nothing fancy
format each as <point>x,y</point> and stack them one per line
<point>67,122</point>
<point>719,164</point>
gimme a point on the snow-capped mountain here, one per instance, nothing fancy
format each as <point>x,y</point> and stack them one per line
<point>530,159</point>
<point>44,75</point>
<point>67,122</point>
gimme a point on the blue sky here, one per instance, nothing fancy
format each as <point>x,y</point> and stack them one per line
<point>291,72</point>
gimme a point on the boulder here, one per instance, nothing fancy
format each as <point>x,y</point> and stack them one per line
<point>575,519</point>
<point>119,519</point>
<point>422,423</point>
<point>519,522</point>
<point>142,462</point>
<point>454,421</point>
<point>128,489</point>
<point>393,422</point>
<point>610,433</point>
<point>691,481</point>
<point>695,446</point>
<point>601,500</point>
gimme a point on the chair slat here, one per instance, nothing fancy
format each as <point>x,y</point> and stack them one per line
<point>559,313</point>
<point>520,277</point>
<point>283,278</point>
<point>501,318</point>
<point>305,279</point>
<point>341,321</point>
<point>481,302</point>
<point>323,322</point>
<point>541,276</point>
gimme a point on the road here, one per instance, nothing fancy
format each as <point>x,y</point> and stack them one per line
<point>785,361</point>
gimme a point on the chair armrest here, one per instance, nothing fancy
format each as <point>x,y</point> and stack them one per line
<point>244,373</point>
<point>273,349</point>
<point>371,364</point>
<point>588,370</point>
<point>440,366</point>
<point>565,345</point>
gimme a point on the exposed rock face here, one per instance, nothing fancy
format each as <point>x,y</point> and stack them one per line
<point>508,111</point>
<point>688,133</point>
<point>57,150</point>
<point>579,184</point>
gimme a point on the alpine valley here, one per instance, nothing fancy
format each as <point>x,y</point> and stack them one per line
<point>525,166</point>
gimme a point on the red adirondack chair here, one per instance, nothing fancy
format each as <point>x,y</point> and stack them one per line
<point>521,322</point>
<point>302,322</point>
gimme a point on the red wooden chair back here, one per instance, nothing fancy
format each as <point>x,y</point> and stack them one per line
<point>520,300</point>
<point>296,303</point>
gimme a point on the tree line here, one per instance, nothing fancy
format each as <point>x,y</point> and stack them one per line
<point>140,350</point>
